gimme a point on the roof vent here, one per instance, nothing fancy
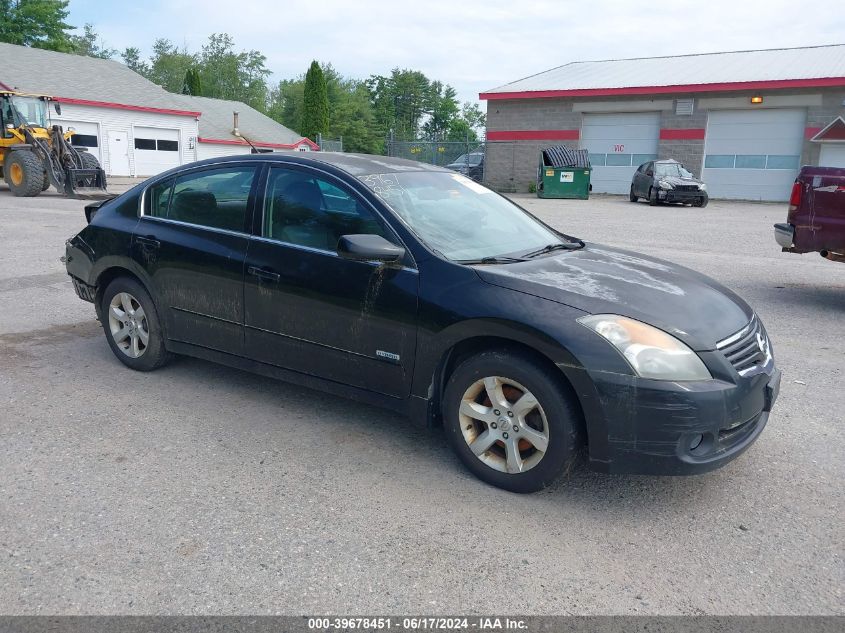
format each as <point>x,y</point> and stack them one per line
<point>235,131</point>
<point>684,107</point>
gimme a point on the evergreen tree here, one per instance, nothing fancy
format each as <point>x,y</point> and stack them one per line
<point>192,84</point>
<point>315,116</point>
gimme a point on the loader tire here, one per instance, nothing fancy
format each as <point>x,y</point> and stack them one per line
<point>89,162</point>
<point>24,173</point>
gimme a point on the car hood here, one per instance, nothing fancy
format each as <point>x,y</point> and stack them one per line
<point>675,180</point>
<point>603,280</point>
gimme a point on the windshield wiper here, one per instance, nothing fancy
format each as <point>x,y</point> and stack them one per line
<point>491,260</point>
<point>557,246</point>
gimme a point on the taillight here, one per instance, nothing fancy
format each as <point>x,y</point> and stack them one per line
<point>795,197</point>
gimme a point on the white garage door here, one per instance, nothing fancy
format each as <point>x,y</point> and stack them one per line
<point>753,154</point>
<point>832,155</point>
<point>618,144</point>
<point>87,136</point>
<point>156,150</point>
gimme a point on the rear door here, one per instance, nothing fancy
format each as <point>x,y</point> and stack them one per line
<point>192,240</point>
<point>309,310</point>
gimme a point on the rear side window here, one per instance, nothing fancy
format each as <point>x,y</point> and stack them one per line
<point>216,198</point>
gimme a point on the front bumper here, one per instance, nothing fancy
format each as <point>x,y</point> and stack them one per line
<point>673,195</point>
<point>675,428</point>
<point>785,235</point>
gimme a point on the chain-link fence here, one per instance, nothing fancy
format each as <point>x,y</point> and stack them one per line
<point>329,144</point>
<point>466,157</point>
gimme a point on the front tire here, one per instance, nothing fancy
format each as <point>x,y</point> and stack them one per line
<point>24,173</point>
<point>652,197</point>
<point>510,421</point>
<point>702,202</point>
<point>132,327</point>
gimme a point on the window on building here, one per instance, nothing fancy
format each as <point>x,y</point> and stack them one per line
<point>719,161</point>
<point>145,143</point>
<point>618,160</point>
<point>167,146</point>
<point>84,140</point>
<point>782,162</point>
<point>750,161</point>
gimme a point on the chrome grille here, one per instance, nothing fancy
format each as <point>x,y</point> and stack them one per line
<point>747,349</point>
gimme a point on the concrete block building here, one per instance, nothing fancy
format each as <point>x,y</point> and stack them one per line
<point>745,121</point>
<point>133,126</point>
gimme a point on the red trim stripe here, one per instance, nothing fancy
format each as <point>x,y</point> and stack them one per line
<point>691,134</point>
<point>810,132</point>
<point>124,106</point>
<point>534,135</point>
<point>223,141</point>
<point>822,82</point>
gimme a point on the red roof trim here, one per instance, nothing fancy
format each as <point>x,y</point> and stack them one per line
<point>833,131</point>
<point>4,87</point>
<point>534,135</point>
<point>124,106</point>
<point>775,84</point>
<point>690,134</point>
<point>223,141</point>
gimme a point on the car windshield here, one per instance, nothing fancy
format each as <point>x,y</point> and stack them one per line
<point>672,169</point>
<point>468,159</point>
<point>460,218</point>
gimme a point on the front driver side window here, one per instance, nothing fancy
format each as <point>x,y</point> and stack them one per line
<point>308,211</point>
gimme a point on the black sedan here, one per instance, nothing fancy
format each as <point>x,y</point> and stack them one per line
<point>415,288</point>
<point>667,181</point>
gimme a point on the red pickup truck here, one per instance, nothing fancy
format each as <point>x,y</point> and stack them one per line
<point>816,219</point>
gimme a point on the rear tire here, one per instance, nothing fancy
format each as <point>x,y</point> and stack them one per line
<point>24,173</point>
<point>510,421</point>
<point>132,326</point>
<point>631,195</point>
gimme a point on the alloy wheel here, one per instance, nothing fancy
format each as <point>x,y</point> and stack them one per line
<point>128,325</point>
<point>504,425</point>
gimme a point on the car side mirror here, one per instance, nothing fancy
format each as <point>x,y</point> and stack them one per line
<point>367,248</point>
<point>57,107</point>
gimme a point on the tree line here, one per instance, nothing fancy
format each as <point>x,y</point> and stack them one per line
<point>404,105</point>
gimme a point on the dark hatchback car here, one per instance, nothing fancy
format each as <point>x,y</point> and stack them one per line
<point>667,181</point>
<point>415,288</point>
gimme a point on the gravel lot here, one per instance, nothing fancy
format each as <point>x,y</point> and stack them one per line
<point>202,489</point>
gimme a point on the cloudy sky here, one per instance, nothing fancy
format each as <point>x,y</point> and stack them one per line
<point>471,45</point>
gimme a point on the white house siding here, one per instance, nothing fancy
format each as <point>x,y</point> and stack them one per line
<point>117,119</point>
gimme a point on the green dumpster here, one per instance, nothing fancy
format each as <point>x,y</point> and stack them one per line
<point>564,173</point>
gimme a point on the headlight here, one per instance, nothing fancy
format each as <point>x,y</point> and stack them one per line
<point>664,185</point>
<point>652,353</point>
<point>702,186</point>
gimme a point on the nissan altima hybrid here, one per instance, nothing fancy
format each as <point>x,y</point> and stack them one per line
<point>415,288</point>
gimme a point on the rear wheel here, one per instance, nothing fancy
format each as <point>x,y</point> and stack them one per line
<point>132,326</point>
<point>631,196</point>
<point>510,421</point>
<point>24,173</point>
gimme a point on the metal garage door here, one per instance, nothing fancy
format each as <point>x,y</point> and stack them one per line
<point>156,150</point>
<point>832,155</point>
<point>618,144</point>
<point>753,154</point>
<point>87,136</point>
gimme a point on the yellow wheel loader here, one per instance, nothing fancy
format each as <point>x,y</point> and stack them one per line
<point>35,154</point>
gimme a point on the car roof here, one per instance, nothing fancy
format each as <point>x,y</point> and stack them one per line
<point>353,164</point>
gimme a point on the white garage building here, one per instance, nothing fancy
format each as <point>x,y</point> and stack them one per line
<point>745,120</point>
<point>134,127</point>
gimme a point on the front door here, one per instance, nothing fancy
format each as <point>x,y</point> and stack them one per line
<point>192,240</point>
<point>118,153</point>
<point>309,310</point>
